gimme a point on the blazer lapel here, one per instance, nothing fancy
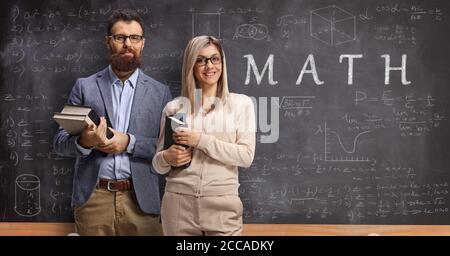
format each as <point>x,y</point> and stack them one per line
<point>139,95</point>
<point>106,92</point>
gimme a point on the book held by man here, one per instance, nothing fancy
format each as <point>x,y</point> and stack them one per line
<point>74,118</point>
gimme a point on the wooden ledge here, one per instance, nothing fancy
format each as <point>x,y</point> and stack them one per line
<point>62,229</point>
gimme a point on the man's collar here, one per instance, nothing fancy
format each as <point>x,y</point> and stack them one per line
<point>133,78</point>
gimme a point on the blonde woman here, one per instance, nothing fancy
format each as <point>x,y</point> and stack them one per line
<point>202,199</point>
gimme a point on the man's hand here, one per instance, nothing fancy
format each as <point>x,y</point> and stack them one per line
<point>177,155</point>
<point>185,136</point>
<point>117,144</point>
<point>93,135</point>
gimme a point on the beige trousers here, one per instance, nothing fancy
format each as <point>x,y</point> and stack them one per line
<point>185,215</point>
<point>114,213</point>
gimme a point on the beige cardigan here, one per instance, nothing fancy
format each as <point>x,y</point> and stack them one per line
<point>227,141</point>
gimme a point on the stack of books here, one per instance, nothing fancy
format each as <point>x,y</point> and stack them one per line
<point>74,118</point>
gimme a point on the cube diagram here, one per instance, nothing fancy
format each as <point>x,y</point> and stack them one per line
<point>333,25</point>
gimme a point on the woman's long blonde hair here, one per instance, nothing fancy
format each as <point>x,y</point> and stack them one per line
<point>188,82</point>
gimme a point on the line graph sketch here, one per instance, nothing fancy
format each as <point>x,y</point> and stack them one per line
<point>342,153</point>
<point>351,151</point>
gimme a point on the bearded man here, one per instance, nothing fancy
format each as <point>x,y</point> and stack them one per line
<point>115,189</point>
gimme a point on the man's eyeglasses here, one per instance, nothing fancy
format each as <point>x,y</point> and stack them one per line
<point>134,39</point>
<point>202,61</point>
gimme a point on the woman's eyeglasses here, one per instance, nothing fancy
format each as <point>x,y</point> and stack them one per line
<point>203,61</point>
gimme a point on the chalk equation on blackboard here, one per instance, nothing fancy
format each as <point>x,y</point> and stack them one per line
<point>401,34</point>
<point>399,194</point>
<point>60,193</point>
<point>81,12</point>
<point>413,115</point>
<point>296,106</point>
<point>289,23</point>
<point>416,12</point>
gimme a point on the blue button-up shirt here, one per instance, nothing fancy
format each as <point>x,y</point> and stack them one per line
<point>117,166</point>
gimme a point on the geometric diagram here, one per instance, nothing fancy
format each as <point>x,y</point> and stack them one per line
<point>333,136</point>
<point>333,25</point>
<point>27,195</point>
<point>252,31</point>
<point>206,24</point>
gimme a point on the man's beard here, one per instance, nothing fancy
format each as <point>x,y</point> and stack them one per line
<point>123,63</point>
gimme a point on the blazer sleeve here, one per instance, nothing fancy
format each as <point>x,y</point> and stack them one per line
<point>63,142</point>
<point>159,164</point>
<point>145,147</point>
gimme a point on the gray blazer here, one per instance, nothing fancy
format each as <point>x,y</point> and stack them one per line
<point>148,103</point>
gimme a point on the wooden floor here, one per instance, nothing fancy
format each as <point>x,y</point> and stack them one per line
<point>62,229</point>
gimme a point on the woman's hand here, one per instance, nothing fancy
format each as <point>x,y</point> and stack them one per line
<point>177,155</point>
<point>186,137</point>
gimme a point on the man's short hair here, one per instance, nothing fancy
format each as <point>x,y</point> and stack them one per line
<point>123,15</point>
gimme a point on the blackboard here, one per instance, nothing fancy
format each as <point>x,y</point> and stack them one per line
<point>371,147</point>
